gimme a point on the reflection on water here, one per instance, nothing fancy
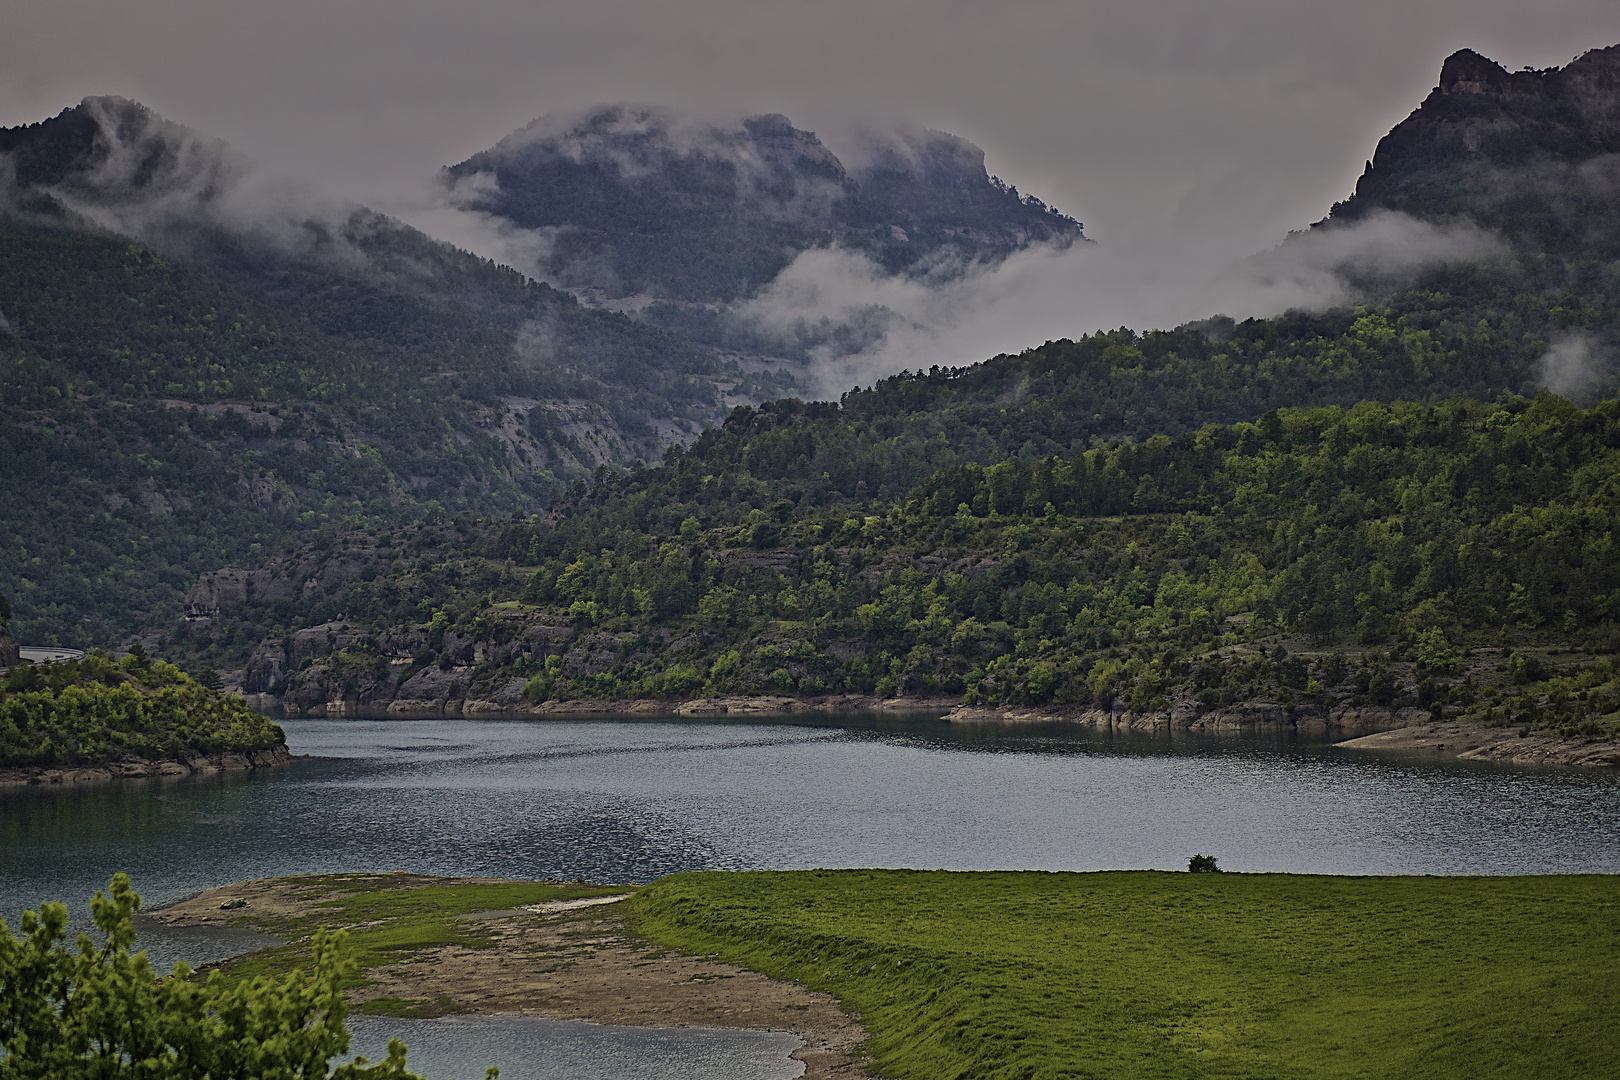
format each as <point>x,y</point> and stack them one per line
<point>530,1048</point>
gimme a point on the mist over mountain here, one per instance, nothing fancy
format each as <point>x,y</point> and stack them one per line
<point>636,200</point>
<point>1533,155</point>
<point>202,360</point>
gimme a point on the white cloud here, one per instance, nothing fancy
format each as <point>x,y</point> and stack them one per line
<point>1576,366</point>
<point>1044,293</point>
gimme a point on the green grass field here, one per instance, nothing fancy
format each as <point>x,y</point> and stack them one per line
<point>1146,974</point>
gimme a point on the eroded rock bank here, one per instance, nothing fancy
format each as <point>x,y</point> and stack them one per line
<point>1470,742</point>
<point>450,708</point>
<point>1339,722</point>
<point>1352,728</point>
<point>129,768</point>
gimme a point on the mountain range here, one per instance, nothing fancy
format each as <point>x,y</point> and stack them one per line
<point>1364,508</point>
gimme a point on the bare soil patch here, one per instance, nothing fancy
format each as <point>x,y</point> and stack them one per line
<point>573,963</point>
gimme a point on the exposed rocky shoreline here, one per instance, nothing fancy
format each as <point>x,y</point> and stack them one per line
<point>713,706</point>
<point>1470,742</point>
<point>1341,721</point>
<point>128,768</point>
<point>1356,727</point>
<point>1353,727</point>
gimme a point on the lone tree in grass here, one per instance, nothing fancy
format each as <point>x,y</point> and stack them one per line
<point>1203,864</point>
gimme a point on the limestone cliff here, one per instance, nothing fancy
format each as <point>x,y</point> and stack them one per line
<point>1534,154</point>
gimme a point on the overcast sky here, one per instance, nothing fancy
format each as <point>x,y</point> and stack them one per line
<point>1224,123</point>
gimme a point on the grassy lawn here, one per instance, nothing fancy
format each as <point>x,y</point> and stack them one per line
<point>1147,974</point>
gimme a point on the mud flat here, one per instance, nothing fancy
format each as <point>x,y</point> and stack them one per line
<point>559,955</point>
<point>131,768</point>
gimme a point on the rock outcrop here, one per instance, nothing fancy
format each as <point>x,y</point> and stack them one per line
<point>131,768</point>
<point>1337,722</point>
<point>1532,154</point>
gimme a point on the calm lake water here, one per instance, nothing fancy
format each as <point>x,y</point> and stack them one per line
<point>623,801</point>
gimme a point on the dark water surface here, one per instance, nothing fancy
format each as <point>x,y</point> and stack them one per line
<point>621,801</point>
<point>531,1048</point>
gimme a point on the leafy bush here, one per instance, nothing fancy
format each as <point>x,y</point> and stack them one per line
<point>98,1012</point>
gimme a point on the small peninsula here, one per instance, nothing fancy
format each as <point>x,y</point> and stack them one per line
<point>99,718</point>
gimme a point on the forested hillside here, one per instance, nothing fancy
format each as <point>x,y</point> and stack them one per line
<point>96,710</point>
<point>1319,556</point>
<point>165,412</point>
<point>1371,506</point>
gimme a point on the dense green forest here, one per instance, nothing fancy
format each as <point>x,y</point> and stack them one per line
<point>90,711</point>
<point>1438,556</point>
<point>247,405</point>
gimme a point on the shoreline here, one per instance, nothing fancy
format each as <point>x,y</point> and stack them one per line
<point>565,960</point>
<point>1470,742</point>
<point>740,705</point>
<point>1369,728</point>
<point>137,768</point>
<point>1365,727</point>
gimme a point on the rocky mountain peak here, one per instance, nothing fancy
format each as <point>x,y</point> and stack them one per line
<point>1467,72</point>
<point>1525,152</point>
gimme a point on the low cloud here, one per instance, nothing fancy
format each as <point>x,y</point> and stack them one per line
<point>1577,366</point>
<point>1045,293</point>
<point>165,185</point>
<point>448,212</point>
<point>169,187</point>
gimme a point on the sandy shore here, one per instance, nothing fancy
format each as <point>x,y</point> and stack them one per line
<point>139,767</point>
<point>1467,742</point>
<point>575,962</point>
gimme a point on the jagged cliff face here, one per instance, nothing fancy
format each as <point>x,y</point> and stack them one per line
<point>635,200</point>
<point>1532,154</point>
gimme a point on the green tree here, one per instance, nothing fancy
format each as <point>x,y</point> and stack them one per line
<point>102,1013</point>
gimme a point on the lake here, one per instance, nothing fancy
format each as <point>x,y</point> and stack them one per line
<point>630,800</point>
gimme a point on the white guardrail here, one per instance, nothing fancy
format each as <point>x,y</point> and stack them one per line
<point>50,655</point>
